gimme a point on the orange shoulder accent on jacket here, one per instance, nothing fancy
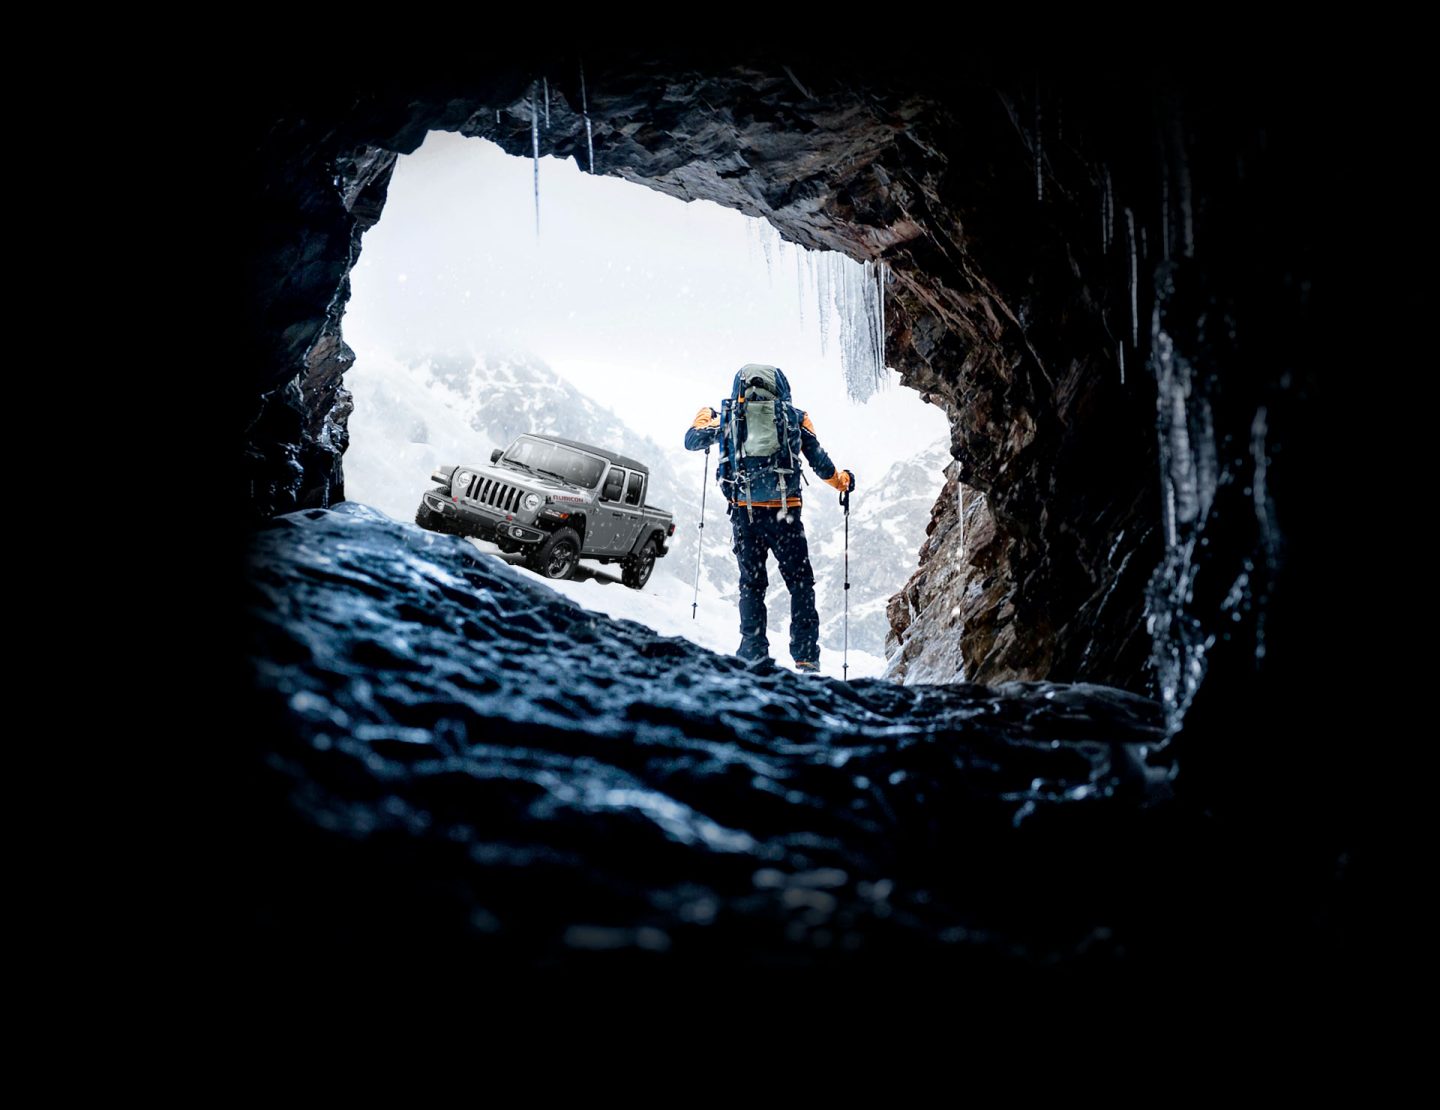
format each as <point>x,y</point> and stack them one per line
<point>809,427</point>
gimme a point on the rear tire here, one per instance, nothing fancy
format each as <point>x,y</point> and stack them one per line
<point>558,556</point>
<point>637,570</point>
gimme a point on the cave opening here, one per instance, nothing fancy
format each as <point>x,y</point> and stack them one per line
<point>608,321</point>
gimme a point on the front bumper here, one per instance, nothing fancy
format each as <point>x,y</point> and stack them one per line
<point>482,525</point>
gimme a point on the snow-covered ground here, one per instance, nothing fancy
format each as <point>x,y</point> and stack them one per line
<point>664,606</point>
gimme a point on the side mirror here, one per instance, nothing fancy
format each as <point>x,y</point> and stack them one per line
<point>495,455</point>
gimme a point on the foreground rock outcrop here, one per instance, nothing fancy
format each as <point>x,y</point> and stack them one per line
<point>461,756</point>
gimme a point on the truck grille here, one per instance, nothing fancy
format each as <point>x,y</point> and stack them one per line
<point>498,495</point>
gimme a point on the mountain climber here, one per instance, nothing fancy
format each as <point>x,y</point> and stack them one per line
<point>761,436</point>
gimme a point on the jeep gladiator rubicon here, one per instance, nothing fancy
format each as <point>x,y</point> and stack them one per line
<point>557,501</point>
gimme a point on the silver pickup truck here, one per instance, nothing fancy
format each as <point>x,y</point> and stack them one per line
<point>557,501</point>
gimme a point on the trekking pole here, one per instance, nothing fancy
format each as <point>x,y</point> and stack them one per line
<point>704,489</point>
<point>845,504</point>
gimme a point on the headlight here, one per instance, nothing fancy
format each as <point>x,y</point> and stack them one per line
<point>462,479</point>
<point>532,500</point>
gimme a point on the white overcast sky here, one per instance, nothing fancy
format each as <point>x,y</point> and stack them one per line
<point>646,303</point>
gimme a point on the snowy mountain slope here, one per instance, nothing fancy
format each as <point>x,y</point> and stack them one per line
<point>888,517</point>
<point>426,409</point>
<point>418,411</point>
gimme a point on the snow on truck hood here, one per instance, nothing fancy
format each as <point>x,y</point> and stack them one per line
<point>517,476</point>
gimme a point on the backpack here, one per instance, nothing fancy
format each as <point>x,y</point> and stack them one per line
<point>758,424</point>
<point>762,424</point>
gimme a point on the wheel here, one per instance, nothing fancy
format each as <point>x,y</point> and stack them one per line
<point>427,517</point>
<point>637,570</point>
<point>557,556</point>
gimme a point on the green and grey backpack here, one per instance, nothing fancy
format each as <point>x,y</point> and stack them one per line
<point>764,425</point>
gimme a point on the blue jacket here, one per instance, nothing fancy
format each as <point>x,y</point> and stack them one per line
<point>764,481</point>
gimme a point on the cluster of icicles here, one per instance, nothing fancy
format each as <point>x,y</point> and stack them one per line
<point>540,95</point>
<point>855,290</point>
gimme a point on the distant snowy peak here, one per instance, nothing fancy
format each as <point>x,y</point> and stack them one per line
<point>516,392</point>
<point>504,395</point>
<point>919,476</point>
<point>500,385</point>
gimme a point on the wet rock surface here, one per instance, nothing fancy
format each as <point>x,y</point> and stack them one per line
<point>459,754</point>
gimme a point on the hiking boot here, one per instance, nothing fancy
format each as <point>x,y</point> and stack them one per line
<point>804,667</point>
<point>753,651</point>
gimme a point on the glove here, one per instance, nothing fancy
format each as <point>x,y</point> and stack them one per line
<point>706,418</point>
<point>850,484</point>
<point>843,480</point>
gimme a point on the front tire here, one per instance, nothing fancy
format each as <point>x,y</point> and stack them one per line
<point>558,555</point>
<point>429,519</point>
<point>637,570</point>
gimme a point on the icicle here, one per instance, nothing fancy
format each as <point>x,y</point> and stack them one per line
<point>1039,151</point>
<point>824,290</point>
<point>1165,211</point>
<point>878,313</point>
<point>875,309</point>
<point>547,102</point>
<point>800,282</point>
<point>585,110</point>
<point>880,285</point>
<point>1109,209</point>
<point>859,303</point>
<point>1134,278</point>
<point>535,152</point>
<point>1121,348</point>
<point>497,115</point>
<point>1186,210</point>
<point>1103,242</point>
<point>765,246</point>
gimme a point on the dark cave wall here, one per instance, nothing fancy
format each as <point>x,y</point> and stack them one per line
<point>1005,306</point>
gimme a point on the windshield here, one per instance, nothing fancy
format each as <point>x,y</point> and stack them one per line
<point>561,462</point>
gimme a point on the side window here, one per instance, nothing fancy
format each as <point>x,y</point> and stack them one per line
<point>632,490</point>
<point>613,484</point>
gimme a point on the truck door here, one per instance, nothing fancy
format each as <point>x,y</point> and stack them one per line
<point>600,530</point>
<point>630,513</point>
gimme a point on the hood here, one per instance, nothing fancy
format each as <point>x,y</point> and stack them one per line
<point>516,477</point>
<point>780,380</point>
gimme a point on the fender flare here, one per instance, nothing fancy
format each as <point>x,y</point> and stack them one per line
<point>574,520</point>
<point>652,533</point>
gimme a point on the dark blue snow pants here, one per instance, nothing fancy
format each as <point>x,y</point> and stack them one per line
<point>753,541</point>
